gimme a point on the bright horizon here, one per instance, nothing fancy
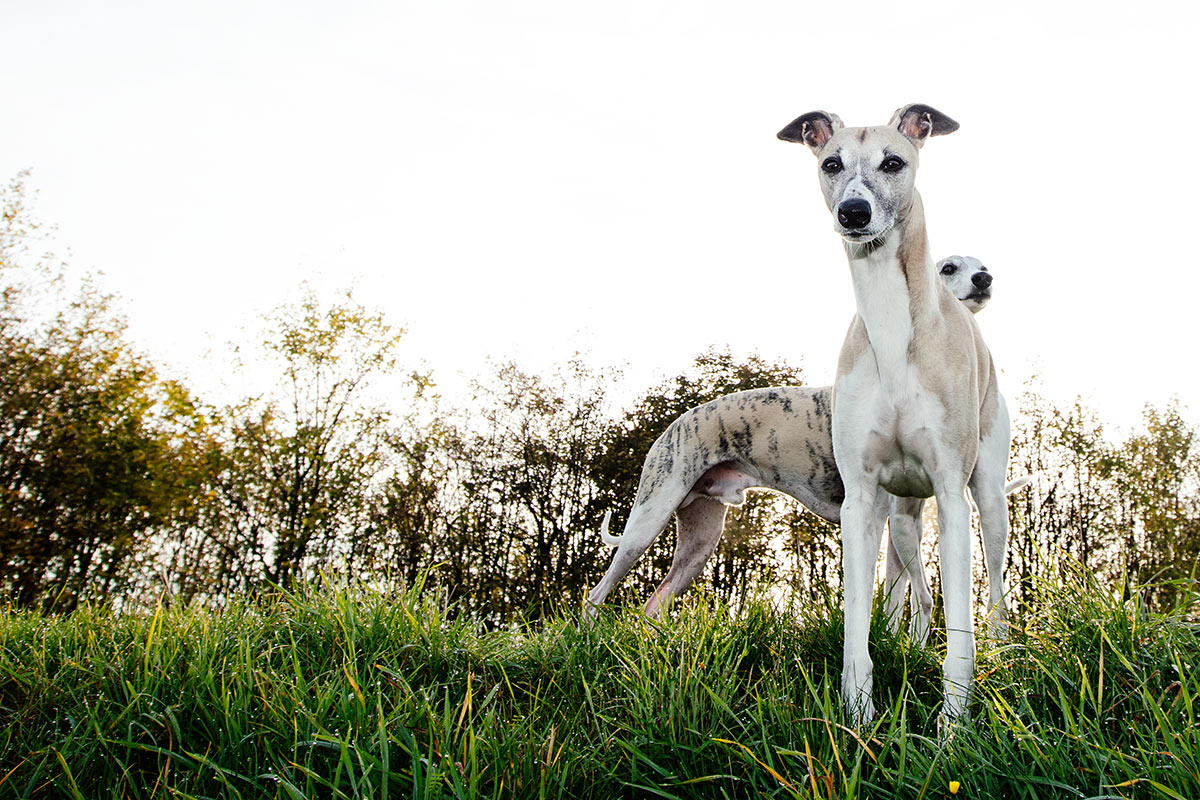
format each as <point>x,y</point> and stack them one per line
<point>528,180</point>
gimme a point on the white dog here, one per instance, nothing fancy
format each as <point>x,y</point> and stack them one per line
<point>916,408</point>
<point>776,438</point>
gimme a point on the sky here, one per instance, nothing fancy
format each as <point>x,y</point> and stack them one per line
<point>524,180</point>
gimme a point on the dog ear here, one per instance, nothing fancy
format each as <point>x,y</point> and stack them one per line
<point>917,122</point>
<point>813,129</point>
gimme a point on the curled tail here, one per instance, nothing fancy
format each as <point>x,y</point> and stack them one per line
<point>1020,483</point>
<point>1017,485</point>
<point>611,541</point>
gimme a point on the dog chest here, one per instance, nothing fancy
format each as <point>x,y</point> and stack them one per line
<point>887,431</point>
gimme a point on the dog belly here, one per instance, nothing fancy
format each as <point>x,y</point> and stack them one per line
<point>905,477</point>
<point>903,458</point>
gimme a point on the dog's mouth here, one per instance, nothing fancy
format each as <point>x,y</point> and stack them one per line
<point>868,235</point>
<point>863,242</point>
<point>977,301</point>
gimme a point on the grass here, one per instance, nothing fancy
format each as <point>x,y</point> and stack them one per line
<point>335,691</point>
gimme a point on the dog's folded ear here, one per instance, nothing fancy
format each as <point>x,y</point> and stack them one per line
<point>917,122</point>
<point>813,129</point>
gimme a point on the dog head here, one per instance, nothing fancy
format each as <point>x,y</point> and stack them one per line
<point>968,279</point>
<point>867,174</point>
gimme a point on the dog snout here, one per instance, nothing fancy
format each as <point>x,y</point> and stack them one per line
<point>854,214</point>
<point>982,280</point>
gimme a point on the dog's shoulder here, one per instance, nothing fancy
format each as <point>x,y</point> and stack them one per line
<point>855,347</point>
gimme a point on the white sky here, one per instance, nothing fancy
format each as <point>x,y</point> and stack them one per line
<point>529,179</point>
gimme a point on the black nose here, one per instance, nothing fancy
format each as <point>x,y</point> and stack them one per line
<point>854,213</point>
<point>981,279</point>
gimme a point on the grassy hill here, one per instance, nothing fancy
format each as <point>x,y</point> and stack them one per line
<point>335,691</point>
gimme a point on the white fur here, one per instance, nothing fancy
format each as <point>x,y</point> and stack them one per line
<point>916,409</point>
<point>688,472</point>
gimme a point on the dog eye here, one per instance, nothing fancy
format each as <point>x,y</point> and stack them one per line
<point>832,165</point>
<point>949,269</point>
<point>892,164</point>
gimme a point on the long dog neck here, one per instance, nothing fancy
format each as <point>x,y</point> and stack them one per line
<point>895,289</point>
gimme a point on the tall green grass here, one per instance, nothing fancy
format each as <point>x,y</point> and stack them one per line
<point>335,691</point>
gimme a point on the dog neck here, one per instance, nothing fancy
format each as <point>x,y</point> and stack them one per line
<point>895,288</point>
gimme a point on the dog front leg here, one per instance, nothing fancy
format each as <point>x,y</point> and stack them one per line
<point>954,547</point>
<point>863,513</point>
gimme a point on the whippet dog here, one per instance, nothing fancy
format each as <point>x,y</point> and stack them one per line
<point>773,438</point>
<point>916,409</point>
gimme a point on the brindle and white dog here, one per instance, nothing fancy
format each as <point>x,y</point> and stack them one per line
<point>774,438</point>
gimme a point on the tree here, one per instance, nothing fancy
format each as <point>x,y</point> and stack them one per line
<point>1160,480</point>
<point>1130,510</point>
<point>89,459</point>
<point>296,482</point>
<point>526,532</point>
<point>1071,509</point>
<point>417,509</point>
<point>1087,471</point>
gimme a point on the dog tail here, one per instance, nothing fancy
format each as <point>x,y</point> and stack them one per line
<point>611,541</point>
<point>1012,487</point>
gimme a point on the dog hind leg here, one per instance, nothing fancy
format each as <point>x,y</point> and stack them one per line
<point>989,493</point>
<point>905,547</point>
<point>700,524</point>
<point>895,582</point>
<point>645,523</point>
